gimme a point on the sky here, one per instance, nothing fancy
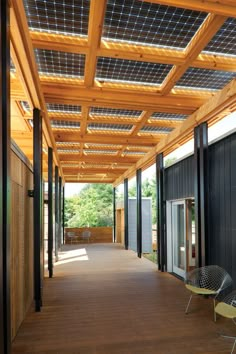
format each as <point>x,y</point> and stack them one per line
<point>223,127</point>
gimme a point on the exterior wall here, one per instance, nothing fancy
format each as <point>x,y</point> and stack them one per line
<point>221,245</point>
<point>179,180</point>
<point>21,241</point>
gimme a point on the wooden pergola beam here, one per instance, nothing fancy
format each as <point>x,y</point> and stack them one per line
<point>199,41</point>
<point>222,101</point>
<point>218,7</point>
<point>143,120</point>
<point>131,52</point>
<point>96,18</point>
<point>94,158</point>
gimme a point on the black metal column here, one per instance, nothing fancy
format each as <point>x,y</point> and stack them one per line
<point>201,191</point>
<point>63,215</point>
<point>50,212</point>
<point>161,239</point>
<point>60,213</point>
<point>56,211</point>
<point>5,318</point>
<point>126,212</point>
<point>139,212</point>
<point>38,206</point>
<point>114,214</point>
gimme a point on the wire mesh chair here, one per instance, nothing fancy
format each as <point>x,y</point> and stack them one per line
<point>86,234</point>
<point>208,280</point>
<point>227,308</point>
<point>71,236</point>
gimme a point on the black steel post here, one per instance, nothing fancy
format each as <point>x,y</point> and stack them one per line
<point>201,191</point>
<point>139,212</point>
<point>60,214</point>
<point>161,239</point>
<point>114,214</point>
<point>126,212</point>
<point>63,215</point>
<point>38,206</point>
<point>5,317</point>
<point>56,211</point>
<point>50,212</point>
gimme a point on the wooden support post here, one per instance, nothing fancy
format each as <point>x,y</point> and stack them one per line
<point>114,214</point>
<point>5,319</point>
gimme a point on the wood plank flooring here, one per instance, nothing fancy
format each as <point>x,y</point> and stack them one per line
<point>104,300</point>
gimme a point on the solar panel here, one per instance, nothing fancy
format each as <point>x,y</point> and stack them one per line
<point>144,23</point>
<point>55,63</point>
<point>155,129</point>
<point>105,126</point>
<point>68,151</point>
<point>168,116</point>
<point>224,41</point>
<point>12,66</point>
<point>25,106</point>
<point>64,124</point>
<point>63,108</point>
<point>205,79</point>
<point>130,71</point>
<point>101,152</point>
<point>102,146</point>
<point>135,153</point>
<point>94,111</point>
<point>68,17</point>
<point>65,143</point>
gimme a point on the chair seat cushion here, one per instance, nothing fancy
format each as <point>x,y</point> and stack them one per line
<point>225,310</point>
<point>200,291</point>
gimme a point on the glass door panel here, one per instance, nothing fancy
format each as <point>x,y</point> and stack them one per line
<point>179,238</point>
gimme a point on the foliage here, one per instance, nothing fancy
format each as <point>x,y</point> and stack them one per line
<point>91,208</point>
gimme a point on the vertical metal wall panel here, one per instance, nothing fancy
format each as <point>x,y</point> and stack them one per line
<point>221,246</point>
<point>139,212</point>
<point>126,212</point>
<point>197,196</point>
<point>56,211</point>
<point>38,207</point>
<point>179,180</point>
<point>161,239</point>
<point>5,317</point>
<point>114,214</point>
<point>50,212</point>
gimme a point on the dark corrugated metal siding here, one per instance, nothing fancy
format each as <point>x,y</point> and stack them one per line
<point>221,245</point>
<point>179,180</point>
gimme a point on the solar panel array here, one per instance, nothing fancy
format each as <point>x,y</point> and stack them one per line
<point>108,92</point>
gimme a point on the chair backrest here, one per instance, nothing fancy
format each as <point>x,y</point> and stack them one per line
<point>210,277</point>
<point>230,299</point>
<point>86,234</point>
<point>70,234</point>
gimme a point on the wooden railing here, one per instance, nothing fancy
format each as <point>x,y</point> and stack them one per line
<point>98,234</point>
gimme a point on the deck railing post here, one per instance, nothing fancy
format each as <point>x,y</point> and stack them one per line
<point>5,319</point>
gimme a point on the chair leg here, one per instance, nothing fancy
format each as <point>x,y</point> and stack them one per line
<point>186,311</point>
<point>233,347</point>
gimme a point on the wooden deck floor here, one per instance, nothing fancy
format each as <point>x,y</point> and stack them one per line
<point>104,300</point>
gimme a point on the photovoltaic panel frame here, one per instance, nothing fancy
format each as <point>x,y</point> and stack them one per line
<point>168,116</point>
<point>67,17</point>
<point>157,130</point>
<point>62,64</point>
<point>99,111</point>
<point>65,124</point>
<point>111,127</point>
<point>144,23</point>
<point>63,108</point>
<point>131,71</point>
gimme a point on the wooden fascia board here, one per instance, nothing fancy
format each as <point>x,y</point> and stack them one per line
<point>96,18</point>
<point>216,105</point>
<point>204,34</point>
<point>218,7</point>
<point>24,54</point>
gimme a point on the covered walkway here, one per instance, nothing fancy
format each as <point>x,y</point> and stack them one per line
<point>103,299</point>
